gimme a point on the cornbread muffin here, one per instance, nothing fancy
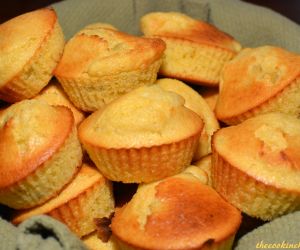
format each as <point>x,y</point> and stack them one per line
<point>94,243</point>
<point>39,152</point>
<point>142,136</point>
<point>108,64</point>
<point>256,165</point>
<point>88,196</point>
<point>53,94</point>
<point>196,51</point>
<point>205,165</point>
<point>195,102</point>
<point>260,80</point>
<point>178,212</point>
<point>30,48</point>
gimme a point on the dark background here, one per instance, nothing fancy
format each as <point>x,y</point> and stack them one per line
<point>11,8</point>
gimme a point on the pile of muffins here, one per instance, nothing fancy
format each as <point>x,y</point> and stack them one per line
<point>207,131</point>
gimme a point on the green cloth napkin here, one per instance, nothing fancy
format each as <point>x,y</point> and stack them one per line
<point>281,233</point>
<point>38,233</point>
<point>251,25</point>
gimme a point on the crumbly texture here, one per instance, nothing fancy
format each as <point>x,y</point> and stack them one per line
<point>196,51</point>
<point>261,155</point>
<point>173,214</point>
<point>110,63</point>
<point>35,47</point>
<point>88,196</point>
<point>53,94</point>
<point>260,80</point>
<point>39,152</point>
<point>196,103</point>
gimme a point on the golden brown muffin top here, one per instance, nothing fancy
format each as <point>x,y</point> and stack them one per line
<point>100,51</point>
<point>254,76</point>
<point>266,147</point>
<point>87,177</point>
<point>21,38</point>
<point>31,132</point>
<point>146,116</point>
<point>178,212</point>
<point>181,26</point>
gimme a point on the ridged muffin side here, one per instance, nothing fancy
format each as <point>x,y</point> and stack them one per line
<point>195,51</point>
<point>255,165</point>
<point>143,136</point>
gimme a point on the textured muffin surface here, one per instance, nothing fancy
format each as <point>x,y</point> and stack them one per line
<point>256,76</point>
<point>176,213</point>
<point>265,147</point>
<point>145,117</point>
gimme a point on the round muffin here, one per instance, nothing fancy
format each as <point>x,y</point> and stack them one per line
<point>178,212</point>
<point>196,51</point>
<point>195,102</point>
<point>53,94</point>
<point>256,165</point>
<point>30,48</point>
<point>108,64</point>
<point>88,196</point>
<point>259,80</point>
<point>142,136</point>
<point>39,152</point>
